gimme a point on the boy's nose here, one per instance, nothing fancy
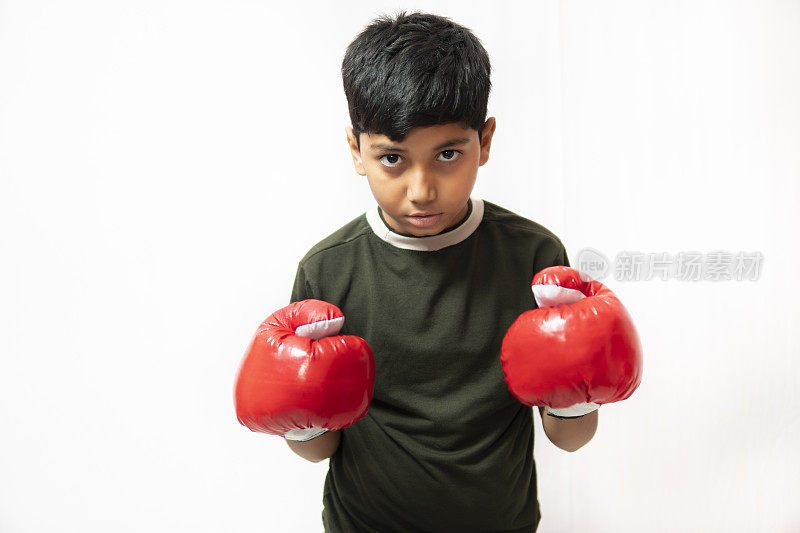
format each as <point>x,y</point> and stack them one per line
<point>421,188</point>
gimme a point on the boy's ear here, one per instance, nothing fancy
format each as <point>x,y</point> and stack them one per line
<point>358,163</point>
<point>486,139</point>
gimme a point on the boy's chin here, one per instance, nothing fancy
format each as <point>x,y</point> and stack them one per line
<point>416,232</point>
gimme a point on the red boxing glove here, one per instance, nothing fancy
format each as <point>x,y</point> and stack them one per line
<point>299,378</point>
<point>579,350</point>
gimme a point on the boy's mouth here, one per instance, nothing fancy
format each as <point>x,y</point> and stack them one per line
<point>423,220</point>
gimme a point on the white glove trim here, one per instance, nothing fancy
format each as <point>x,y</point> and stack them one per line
<point>323,328</point>
<point>573,411</point>
<point>304,434</point>
<point>554,295</point>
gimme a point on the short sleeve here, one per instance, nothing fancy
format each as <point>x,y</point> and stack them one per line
<point>561,257</point>
<point>553,254</point>
<point>302,288</point>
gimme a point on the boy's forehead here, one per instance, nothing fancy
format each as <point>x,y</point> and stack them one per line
<point>436,136</point>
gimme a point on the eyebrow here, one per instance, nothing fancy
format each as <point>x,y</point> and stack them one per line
<point>390,148</point>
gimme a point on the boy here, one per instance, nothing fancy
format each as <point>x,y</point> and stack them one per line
<point>420,398</point>
<point>431,279</point>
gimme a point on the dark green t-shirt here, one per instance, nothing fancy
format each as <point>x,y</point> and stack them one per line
<point>444,446</point>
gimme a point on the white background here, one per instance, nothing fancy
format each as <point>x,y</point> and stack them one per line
<point>165,164</point>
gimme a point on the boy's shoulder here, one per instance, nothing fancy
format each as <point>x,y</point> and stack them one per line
<point>517,225</point>
<point>349,233</point>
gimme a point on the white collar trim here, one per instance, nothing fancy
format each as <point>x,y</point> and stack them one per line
<point>427,244</point>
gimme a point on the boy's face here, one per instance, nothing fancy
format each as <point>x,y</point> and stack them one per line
<point>432,172</point>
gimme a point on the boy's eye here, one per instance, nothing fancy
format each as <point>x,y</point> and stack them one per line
<point>452,156</point>
<point>392,160</point>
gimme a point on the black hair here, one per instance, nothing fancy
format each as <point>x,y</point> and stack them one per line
<point>415,70</point>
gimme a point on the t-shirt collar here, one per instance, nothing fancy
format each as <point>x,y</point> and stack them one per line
<point>430,243</point>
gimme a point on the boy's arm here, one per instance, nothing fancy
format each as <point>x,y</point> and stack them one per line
<point>569,434</point>
<point>317,449</point>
